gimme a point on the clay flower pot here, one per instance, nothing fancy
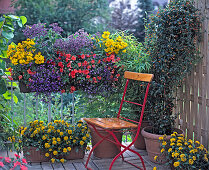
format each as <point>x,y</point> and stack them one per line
<point>33,155</point>
<point>140,142</point>
<point>153,144</point>
<point>106,149</point>
<point>76,153</point>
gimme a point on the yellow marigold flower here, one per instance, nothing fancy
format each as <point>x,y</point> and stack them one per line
<point>162,150</point>
<point>164,143</point>
<point>56,121</point>
<point>66,138</point>
<point>173,135</point>
<point>190,141</point>
<point>65,150</point>
<point>63,122</point>
<point>79,125</point>
<point>52,160</point>
<point>44,137</point>
<point>183,159</point>
<point>84,138</point>
<point>62,160</point>
<point>20,141</point>
<point>172,140</point>
<point>179,144</point>
<point>185,143</point>
<point>180,148</point>
<point>182,155</point>
<point>155,168</point>
<point>70,132</point>
<point>124,51</point>
<point>105,34</point>
<point>55,152</point>
<point>176,164</point>
<point>179,141</point>
<point>88,148</point>
<point>194,158</point>
<point>155,158</point>
<point>35,121</point>
<point>54,142</point>
<point>47,154</point>
<point>87,135</point>
<point>197,142</point>
<point>49,131</point>
<point>50,150</point>
<point>190,146</point>
<point>176,154</point>
<point>170,149</point>
<point>58,130</point>
<point>191,161</point>
<point>69,148</point>
<point>172,144</point>
<point>47,145</point>
<point>74,141</point>
<point>54,138</point>
<point>58,139</point>
<point>173,154</point>
<point>81,142</point>
<point>61,133</point>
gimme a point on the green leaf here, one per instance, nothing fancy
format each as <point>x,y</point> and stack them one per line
<point>7,95</point>
<point>15,98</point>
<point>3,86</point>
<point>8,27</point>
<point>14,17</point>
<point>13,84</point>
<point>8,35</point>
<point>24,19</point>
<point>20,23</point>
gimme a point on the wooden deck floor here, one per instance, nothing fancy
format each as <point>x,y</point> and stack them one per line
<point>96,163</point>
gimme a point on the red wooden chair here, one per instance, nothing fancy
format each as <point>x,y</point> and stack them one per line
<point>112,125</point>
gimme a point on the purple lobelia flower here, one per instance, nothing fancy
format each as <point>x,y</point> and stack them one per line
<point>35,31</point>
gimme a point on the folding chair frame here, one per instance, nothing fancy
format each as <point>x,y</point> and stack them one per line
<point>111,131</point>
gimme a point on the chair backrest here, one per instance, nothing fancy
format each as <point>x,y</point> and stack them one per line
<point>138,77</point>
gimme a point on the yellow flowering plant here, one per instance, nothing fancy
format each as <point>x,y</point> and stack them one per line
<point>184,154</point>
<point>57,138</point>
<point>23,56</point>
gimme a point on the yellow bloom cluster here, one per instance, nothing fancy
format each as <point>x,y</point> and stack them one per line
<point>183,153</point>
<point>113,45</point>
<point>57,138</point>
<point>24,53</point>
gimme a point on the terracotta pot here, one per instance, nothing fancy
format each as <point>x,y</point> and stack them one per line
<point>106,149</point>
<point>24,88</point>
<point>32,155</point>
<point>76,153</point>
<point>153,144</point>
<point>140,142</point>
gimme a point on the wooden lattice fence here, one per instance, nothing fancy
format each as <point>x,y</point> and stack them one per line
<point>193,97</point>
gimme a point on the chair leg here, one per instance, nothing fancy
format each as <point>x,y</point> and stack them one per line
<point>93,150</point>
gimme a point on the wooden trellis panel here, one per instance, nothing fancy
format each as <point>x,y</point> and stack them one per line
<point>193,96</point>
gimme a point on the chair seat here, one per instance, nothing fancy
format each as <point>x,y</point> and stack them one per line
<point>110,123</point>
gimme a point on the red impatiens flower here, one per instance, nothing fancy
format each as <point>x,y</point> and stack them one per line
<point>72,74</point>
<point>92,61</point>
<point>118,75</point>
<point>67,57</point>
<point>73,58</point>
<point>17,163</point>
<point>108,59</point>
<point>79,64</point>
<point>17,156</point>
<point>86,72</point>
<point>82,56</point>
<point>104,59</point>
<point>88,67</point>
<point>60,64</point>
<point>87,55</point>
<point>1,164</point>
<point>20,77</point>
<point>93,66</point>
<point>23,167</point>
<point>61,70</point>
<point>9,77</point>
<point>63,91</point>
<point>24,161</point>
<point>85,63</point>
<point>99,61</point>
<point>72,89</point>
<point>88,76</point>
<point>99,78</point>
<point>7,159</point>
<point>69,64</point>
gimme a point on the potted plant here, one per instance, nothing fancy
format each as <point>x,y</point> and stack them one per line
<point>14,163</point>
<point>171,42</point>
<point>182,153</point>
<point>56,141</point>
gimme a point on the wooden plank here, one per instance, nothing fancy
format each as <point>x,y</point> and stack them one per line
<point>138,76</point>
<point>46,166</point>
<point>110,123</point>
<point>58,166</point>
<point>79,166</point>
<point>69,165</point>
